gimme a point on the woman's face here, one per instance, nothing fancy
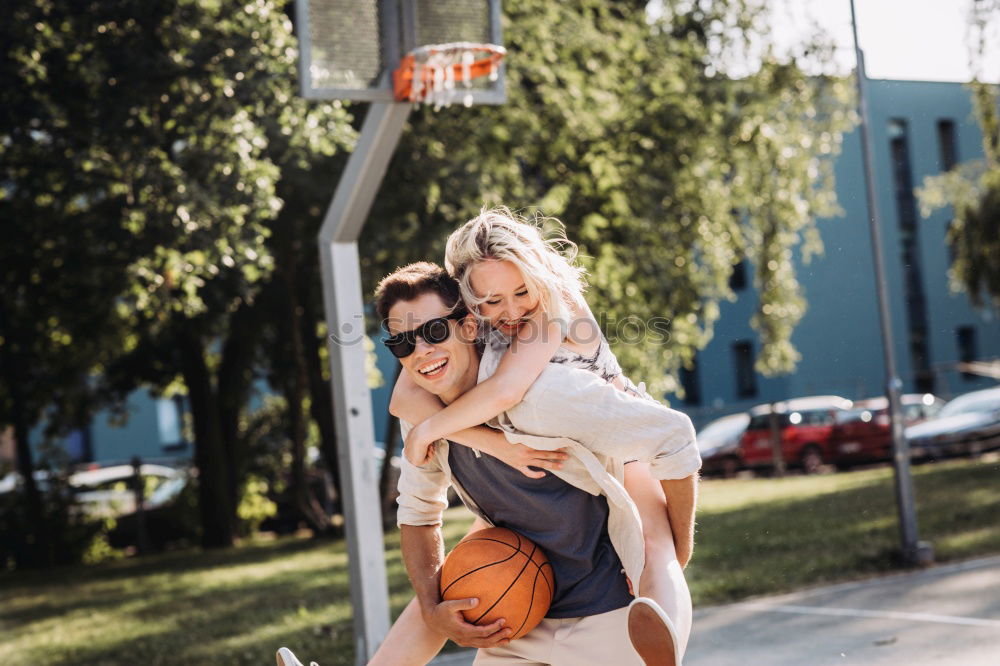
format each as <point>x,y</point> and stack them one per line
<point>508,304</point>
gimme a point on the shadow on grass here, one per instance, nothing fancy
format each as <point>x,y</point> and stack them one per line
<point>178,561</point>
<point>169,621</point>
<point>226,628</point>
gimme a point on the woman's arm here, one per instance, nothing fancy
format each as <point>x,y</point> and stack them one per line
<point>413,404</point>
<point>518,369</point>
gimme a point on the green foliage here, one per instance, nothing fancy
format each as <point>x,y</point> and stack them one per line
<point>666,172</point>
<point>972,190</point>
<point>255,507</point>
<point>74,537</point>
<point>145,151</point>
<point>265,431</point>
<point>100,550</point>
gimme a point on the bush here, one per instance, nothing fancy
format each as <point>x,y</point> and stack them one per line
<point>65,536</point>
<point>255,506</point>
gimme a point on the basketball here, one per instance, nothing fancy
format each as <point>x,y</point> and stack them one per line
<point>509,575</point>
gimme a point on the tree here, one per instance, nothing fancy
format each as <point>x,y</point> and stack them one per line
<point>972,189</point>
<point>60,257</point>
<point>164,127</point>
<point>665,170</point>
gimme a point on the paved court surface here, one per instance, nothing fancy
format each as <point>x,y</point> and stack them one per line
<point>940,616</point>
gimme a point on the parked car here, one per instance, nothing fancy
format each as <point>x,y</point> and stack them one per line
<point>862,434</point>
<point>966,425</point>
<point>719,443</point>
<point>107,491</point>
<point>804,426</point>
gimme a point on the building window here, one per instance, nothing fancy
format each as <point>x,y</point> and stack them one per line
<point>79,446</point>
<point>738,278</point>
<point>947,144</point>
<point>966,347</point>
<point>746,378</point>
<point>170,413</point>
<point>689,380</point>
<point>909,247</point>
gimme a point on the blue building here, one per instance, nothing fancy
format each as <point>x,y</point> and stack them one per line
<point>918,129</point>
<point>152,430</point>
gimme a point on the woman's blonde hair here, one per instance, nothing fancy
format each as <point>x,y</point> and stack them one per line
<point>546,264</point>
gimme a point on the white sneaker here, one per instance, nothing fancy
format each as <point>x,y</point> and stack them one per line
<point>652,633</point>
<point>286,657</point>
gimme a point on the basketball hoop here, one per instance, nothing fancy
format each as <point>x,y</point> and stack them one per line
<point>428,73</point>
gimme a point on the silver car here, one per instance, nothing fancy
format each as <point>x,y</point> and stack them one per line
<point>966,425</point>
<point>719,444</point>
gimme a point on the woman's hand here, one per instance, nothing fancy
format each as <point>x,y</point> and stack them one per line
<point>419,445</point>
<point>522,457</point>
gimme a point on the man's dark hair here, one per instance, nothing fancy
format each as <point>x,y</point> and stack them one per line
<point>415,280</point>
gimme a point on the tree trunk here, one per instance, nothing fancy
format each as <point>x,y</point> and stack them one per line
<point>214,499</point>
<point>304,500</point>
<point>235,381</point>
<point>321,402</point>
<point>37,544</point>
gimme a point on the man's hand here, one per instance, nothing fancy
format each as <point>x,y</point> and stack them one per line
<point>521,457</point>
<point>446,618</point>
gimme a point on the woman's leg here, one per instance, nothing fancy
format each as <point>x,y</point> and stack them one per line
<point>662,578</point>
<point>410,642</point>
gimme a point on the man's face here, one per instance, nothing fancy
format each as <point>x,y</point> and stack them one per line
<point>445,368</point>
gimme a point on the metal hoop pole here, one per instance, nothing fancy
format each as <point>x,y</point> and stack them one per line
<point>342,300</point>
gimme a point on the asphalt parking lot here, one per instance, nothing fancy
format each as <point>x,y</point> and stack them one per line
<point>943,615</point>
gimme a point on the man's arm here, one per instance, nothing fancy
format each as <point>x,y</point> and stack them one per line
<point>682,499</point>
<point>423,555</point>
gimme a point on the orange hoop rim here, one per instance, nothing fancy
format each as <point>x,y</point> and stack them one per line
<point>403,77</point>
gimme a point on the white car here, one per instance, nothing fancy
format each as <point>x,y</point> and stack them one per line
<point>106,491</point>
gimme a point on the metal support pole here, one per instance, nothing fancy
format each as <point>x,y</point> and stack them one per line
<point>913,550</point>
<point>342,300</point>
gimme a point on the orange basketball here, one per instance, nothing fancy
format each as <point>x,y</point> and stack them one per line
<point>509,575</point>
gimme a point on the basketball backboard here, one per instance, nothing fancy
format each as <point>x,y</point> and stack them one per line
<point>349,48</point>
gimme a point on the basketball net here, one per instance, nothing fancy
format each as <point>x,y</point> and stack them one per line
<point>428,74</point>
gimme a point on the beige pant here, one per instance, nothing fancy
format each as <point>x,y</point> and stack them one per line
<point>601,640</point>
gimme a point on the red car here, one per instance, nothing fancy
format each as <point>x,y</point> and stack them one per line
<point>862,435</point>
<point>804,425</point>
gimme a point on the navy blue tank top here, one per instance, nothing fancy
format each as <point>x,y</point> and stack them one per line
<point>569,524</point>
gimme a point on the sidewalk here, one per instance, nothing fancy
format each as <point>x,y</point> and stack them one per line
<point>940,616</point>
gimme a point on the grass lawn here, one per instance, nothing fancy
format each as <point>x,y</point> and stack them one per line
<point>238,606</point>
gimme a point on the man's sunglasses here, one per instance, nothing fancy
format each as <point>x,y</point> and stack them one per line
<point>433,332</point>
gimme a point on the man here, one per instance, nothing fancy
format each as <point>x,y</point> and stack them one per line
<point>580,516</point>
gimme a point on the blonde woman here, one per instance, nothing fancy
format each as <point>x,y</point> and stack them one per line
<point>528,290</point>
